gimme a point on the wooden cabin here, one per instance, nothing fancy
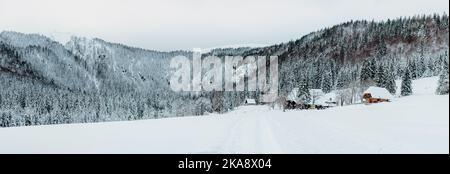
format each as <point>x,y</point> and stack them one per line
<point>376,95</point>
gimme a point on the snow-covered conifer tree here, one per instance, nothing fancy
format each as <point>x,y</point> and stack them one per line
<point>381,77</point>
<point>443,81</point>
<point>327,85</point>
<point>406,88</point>
<point>390,83</point>
<point>368,72</point>
<point>304,95</point>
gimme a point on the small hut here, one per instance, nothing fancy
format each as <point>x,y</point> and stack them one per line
<point>250,101</point>
<point>377,95</point>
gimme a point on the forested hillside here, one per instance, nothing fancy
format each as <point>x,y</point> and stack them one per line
<point>91,80</point>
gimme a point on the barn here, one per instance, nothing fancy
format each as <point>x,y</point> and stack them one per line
<point>377,95</point>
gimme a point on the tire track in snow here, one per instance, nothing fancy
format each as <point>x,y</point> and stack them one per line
<point>271,143</point>
<point>251,134</point>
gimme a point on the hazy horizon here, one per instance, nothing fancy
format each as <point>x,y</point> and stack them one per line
<point>167,25</point>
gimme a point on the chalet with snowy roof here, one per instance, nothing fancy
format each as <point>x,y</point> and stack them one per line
<point>377,95</point>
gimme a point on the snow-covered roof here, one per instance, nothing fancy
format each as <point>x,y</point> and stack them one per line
<point>250,101</point>
<point>378,92</point>
<point>327,99</point>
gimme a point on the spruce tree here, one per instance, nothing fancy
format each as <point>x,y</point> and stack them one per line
<point>368,72</point>
<point>303,92</point>
<point>443,81</point>
<point>381,77</point>
<point>406,88</point>
<point>382,48</point>
<point>342,81</point>
<point>412,67</point>
<point>390,83</point>
<point>421,66</point>
<point>327,85</point>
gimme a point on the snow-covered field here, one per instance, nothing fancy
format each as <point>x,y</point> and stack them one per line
<point>414,124</point>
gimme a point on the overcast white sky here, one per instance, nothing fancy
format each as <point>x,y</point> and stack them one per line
<point>187,24</point>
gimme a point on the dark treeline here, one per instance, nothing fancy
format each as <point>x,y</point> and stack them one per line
<point>25,103</point>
